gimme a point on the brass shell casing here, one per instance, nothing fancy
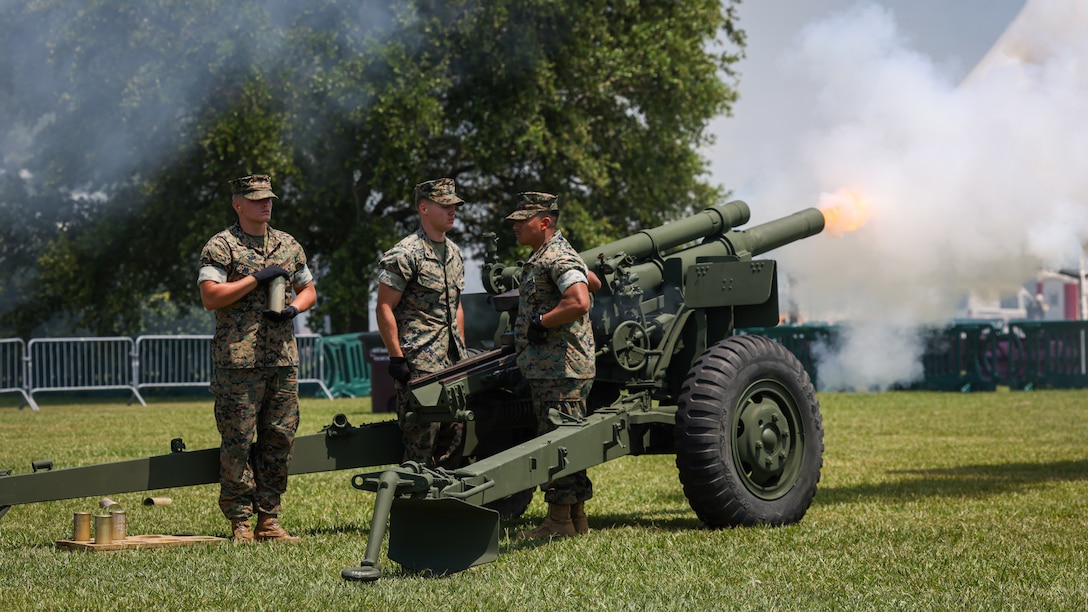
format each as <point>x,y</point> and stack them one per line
<point>103,531</point>
<point>81,527</point>
<point>118,524</point>
<point>277,294</point>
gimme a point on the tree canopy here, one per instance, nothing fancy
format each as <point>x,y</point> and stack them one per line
<point>125,121</point>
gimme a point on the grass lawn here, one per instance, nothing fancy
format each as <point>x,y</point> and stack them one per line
<point>927,501</point>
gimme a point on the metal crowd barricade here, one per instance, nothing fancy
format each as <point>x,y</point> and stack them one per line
<point>311,361</point>
<point>1048,354</point>
<point>962,357</point>
<point>84,364</point>
<point>173,361</point>
<point>349,372</point>
<point>81,364</point>
<point>968,356</point>
<point>186,361</point>
<point>13,366</point>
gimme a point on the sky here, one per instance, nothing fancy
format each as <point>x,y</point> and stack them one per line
<point>956,126</point>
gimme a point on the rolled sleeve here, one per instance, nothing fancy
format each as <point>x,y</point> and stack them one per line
<point>570,278</point>
<point>302,277</point>
<point>211,273</point>
<point>393,280</point>
<point>396,268</point>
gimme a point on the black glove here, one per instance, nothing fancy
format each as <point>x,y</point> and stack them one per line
<point>398,369</point>
<point>536,333</point>
<point>284,315</point>
<point>269,273</point>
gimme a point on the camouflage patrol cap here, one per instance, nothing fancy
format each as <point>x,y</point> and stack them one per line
<point>253,187</point>
<point>441,191</point>
<point>532,203</point>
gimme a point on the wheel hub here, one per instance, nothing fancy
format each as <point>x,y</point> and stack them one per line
<point>764,442</point>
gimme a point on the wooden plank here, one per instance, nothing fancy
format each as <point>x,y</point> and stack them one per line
<point>140,541</point>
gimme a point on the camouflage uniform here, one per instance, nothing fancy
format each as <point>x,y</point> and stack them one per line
<point>561,370</point>
<point>255,380</point>
<point>428,332</point>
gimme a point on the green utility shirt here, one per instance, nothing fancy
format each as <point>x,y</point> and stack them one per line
<point>568,351</point>
<point>244,338</point>
<point>431,290</point>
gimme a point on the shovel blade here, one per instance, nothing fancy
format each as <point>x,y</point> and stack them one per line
<point>442,536</point>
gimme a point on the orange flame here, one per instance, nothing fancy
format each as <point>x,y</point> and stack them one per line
<point>844,211</point>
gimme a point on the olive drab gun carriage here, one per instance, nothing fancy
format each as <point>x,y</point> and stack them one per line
<point>738,411</point>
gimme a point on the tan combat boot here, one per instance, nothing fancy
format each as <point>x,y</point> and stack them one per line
<point>240,528</point>
<point>268,528</point>
<point>579,519</point>
<point>556,525</point>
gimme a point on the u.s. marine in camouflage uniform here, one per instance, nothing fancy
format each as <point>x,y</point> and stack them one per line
<point>420,318</point>
<point>554,341</point>
<point>255,357</point>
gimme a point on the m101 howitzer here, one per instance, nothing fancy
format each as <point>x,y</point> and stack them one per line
<point>738,411</point>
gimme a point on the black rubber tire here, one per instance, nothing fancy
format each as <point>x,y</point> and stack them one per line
<point>749,435</point>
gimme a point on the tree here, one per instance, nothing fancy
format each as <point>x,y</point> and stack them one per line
<point>131,116</point>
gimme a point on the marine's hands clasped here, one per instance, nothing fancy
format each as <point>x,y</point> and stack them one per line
<point>267,274</point>
<point>284,315</point>
<point>263,277</point>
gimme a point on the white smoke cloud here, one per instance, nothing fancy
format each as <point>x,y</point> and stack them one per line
<point>849,363</point>
<point>973,185</point>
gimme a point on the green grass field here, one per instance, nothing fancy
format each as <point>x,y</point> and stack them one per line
<point>927,501</point>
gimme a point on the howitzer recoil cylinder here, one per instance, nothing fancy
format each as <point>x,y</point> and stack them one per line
<point>713,221</point>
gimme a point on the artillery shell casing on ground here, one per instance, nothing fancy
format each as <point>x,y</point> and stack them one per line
<point>118,524</point>
<point>103,532</point>
<point>81,527</point>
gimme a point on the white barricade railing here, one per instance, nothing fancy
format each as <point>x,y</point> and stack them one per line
<point>80,364</point>
<point>311,361</point>
<point>186,361</point>
<point>13,365</point>
<point>173,361</point>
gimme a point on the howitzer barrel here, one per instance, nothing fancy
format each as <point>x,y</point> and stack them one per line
<point>713,221</point>
<point>644,252</point>
<point>743,244</point>
<point>779,232</point>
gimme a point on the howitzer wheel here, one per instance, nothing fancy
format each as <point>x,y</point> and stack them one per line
<point>749,435</point>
